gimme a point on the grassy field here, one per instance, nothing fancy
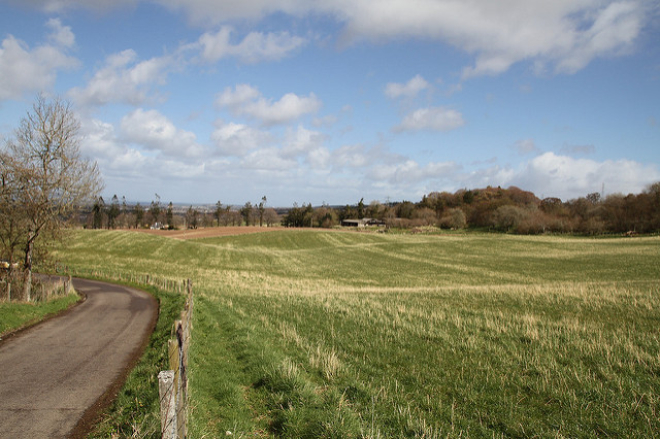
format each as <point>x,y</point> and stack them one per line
<point>328,334</point>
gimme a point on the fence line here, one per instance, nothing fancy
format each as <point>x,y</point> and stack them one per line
<point>172,383</point>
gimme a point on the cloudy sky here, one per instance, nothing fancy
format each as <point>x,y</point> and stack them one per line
<point>336,100</point>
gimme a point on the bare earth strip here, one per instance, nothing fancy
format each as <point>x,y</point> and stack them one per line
<point>57,375</point>
<point>211,232</point>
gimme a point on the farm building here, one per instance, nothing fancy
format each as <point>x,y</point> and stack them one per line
<point>364,222</point>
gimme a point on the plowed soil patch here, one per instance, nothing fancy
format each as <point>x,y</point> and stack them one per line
<point>211,232</point>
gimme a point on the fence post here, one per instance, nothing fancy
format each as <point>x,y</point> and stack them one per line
<point>176,405</point>
<point>167,404</point>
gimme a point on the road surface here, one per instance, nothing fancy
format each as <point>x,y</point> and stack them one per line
<point>56,376</point>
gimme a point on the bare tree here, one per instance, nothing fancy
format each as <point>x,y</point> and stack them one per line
<point>192,218</point>
<point>271,217</point>
<point>13,226</point>
<point>50,178</point>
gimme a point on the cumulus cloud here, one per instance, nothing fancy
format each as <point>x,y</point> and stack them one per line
<point>123,79</point>
<point>409,172</point>
<point>28,70</point>
<point>245,100</point>
<point>153,131</point>
<point>100,142</point>
<point>301,141</point>
<point>235,139</point>
<point>566,177</point>
<point>431,118</point>
<point>563,34</point>
<point>61,35</point>
<point>254,48</point>
<point>408,90</point>
<point>268,159</point>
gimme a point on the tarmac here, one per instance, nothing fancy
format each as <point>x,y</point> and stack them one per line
<point>55,377</point>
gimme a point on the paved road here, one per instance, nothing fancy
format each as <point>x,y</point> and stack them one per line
<point>55,376</point>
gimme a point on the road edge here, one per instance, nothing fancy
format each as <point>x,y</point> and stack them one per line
<point>91,416</point>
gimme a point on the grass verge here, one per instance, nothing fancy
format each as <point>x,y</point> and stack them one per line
<point>18,315</point>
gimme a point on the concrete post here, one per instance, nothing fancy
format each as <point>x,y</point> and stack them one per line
<point>168,425</point>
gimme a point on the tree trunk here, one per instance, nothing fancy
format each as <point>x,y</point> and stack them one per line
<point>27,268</point>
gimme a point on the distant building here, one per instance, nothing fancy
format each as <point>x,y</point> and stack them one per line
<point>364,222</point>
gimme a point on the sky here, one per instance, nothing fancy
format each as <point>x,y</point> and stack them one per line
<point>332,101</point>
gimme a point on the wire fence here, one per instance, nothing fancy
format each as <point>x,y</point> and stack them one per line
<point>173,383</point>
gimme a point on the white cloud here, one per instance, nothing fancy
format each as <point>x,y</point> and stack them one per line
<point>410,172</point>
<point>351,156</point>
<point>564,34</point>
<point>247,100</point>
<point>241,95</point>
<point>254,48</point>
<point>432,118</point>
<point>268,159</point>
<point>614,30</point>
<point>408,90</point>
<point>301,142</point>
<point>123,79</point>
<point>234,139</point>
<point>99,141</point>
<point>155,132</point>
<point>566,177</point>
<point>178,169</point>
<point>319,159</point>
<point>28,70</point>
<point>552,175</point>
<point>62,35</point>
<point>209,12</point>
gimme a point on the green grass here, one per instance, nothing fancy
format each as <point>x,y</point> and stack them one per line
<point>16,315</point>
<point>326,334</point>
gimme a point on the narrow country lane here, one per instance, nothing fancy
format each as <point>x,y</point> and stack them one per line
<point>54,377</point>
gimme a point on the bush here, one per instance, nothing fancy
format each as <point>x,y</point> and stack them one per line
<point>453,219</point>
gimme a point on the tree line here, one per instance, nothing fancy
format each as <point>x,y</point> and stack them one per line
<point>510,210</point>
<point>155,215</point>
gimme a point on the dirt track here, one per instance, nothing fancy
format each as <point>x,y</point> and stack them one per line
<point>56,376</point>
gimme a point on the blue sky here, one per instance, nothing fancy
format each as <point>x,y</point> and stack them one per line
<point>329,102</point>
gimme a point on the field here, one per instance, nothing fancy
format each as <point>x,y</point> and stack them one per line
<point>327,334</point>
